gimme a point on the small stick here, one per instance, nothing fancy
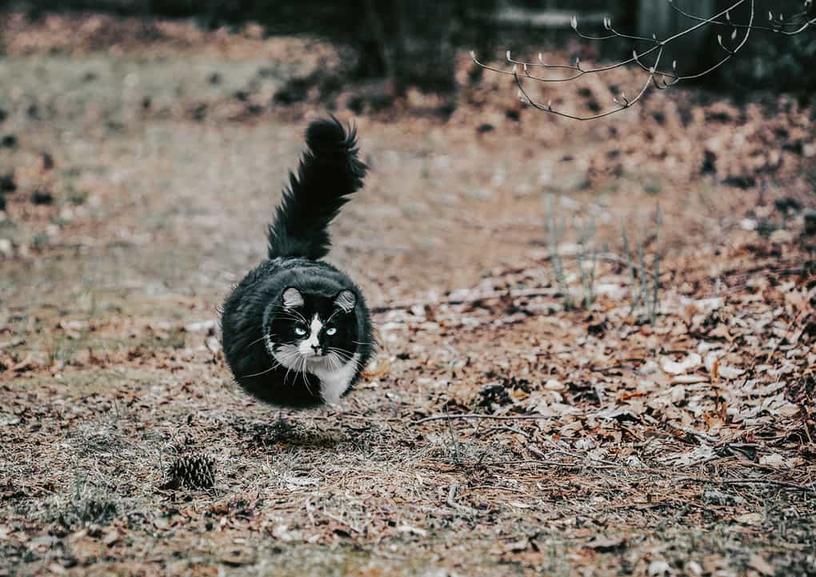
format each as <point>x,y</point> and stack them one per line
<point>507,429</point>
<point>785,336</point>
<point>745,481</point>
<point>474,416</point>
<point>451,501</point>
<point>467,300</point>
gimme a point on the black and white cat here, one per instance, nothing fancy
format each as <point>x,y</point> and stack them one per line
<point>296,330</point>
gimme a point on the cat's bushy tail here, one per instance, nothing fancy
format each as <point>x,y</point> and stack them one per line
<point>328,174</point>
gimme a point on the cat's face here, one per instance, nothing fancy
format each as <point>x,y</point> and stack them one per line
<point>307,330</point>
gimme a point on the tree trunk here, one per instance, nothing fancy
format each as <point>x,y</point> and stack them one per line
<point>415,37</point>
<point>659,18</point>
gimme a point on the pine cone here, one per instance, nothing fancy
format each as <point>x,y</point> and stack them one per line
<point>191,472</point>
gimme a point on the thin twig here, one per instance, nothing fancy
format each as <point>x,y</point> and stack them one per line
<point>474,298</point>
<point>503,428</point>
<point>451,501</point>
<point>476,416</point>
<point>601,464</point>
<point>744,481</point>
<point>657,77</point>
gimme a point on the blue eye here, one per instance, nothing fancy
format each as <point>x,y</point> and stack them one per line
<point>300,331</point>
<point>330,331</point>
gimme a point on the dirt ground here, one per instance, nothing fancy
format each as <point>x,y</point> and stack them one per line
<point>597,340</point>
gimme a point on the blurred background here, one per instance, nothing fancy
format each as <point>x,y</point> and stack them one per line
<point>414,43</point>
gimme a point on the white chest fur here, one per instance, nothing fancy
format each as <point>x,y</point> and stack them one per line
<point>335,382</point>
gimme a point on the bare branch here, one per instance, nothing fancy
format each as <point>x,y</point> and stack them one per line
<point>776,26</point>
<point>731,45</point>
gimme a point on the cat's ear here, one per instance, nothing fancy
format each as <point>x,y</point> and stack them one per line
<point>345,300</point>
<point>292,298</point>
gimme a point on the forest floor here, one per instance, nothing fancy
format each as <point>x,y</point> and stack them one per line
<point>597,339</point>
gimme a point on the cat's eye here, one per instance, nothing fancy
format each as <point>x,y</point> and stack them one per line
<point>330,331</point>
<point>300,331</point>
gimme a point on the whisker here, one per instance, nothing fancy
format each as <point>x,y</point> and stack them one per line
<point>336,362</point>
<point>302,370</point>
<point>256,341</point>
<point>341,349</point>
<point>331,316</point>
<point>300,316</point>
<point>346,355</point>
<point>305,378</point>
<point>272,368</point>
<point>292,319</point>
<point>291,357</point>
<point>290,313</point>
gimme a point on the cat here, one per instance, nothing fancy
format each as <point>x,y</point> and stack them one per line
<point>296,331</point>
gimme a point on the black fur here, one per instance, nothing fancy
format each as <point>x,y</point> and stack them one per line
<point>255,316</point>
<point>328,173</point>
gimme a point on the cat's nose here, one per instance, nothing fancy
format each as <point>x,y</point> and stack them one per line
<point>316,348</point>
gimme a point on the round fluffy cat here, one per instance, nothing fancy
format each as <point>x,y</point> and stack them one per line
<point>296,330</point>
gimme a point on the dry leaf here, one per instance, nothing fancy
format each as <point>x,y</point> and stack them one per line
<point>775,460</point>
<point>761,565</point>
<point>680,367</point>
<point>750,519</point>
<point>606,544</point>
<point>658,567</point>
<point>237,555</point>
